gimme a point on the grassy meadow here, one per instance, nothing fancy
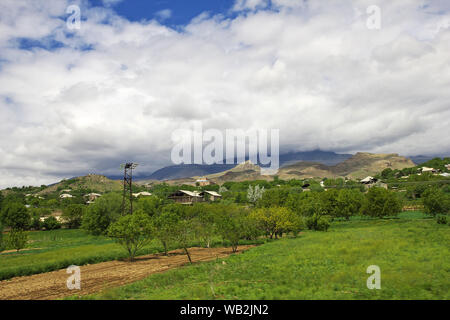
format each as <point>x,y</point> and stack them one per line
<point>412,253</point>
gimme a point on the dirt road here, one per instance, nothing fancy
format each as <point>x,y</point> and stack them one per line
<point>96,277</point>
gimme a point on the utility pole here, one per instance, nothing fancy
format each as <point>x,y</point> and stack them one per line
<point>127,186</point>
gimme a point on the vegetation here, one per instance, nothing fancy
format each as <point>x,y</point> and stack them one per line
<point>132,232</point>
<point>17,239</point>
<point>411,252</point>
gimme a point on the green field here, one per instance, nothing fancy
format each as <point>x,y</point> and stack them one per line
<point>52,250</point>
<point>412,253</point>
<point>57,249</point>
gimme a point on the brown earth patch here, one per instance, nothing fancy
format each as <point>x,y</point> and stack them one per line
<point>96,277</point>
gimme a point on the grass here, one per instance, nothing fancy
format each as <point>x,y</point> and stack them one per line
<point>57,249</point>
<point>412,253</point>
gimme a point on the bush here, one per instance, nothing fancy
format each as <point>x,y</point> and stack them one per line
<point>36,223</point>
<point>51,223</point>
<point>435,201</point>
<point>17,239</point>
<point>442,219</point>
<point>318,223</point>
<point>73,215</point>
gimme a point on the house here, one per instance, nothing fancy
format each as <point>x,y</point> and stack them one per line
<point>66,195</point>
<point>447,166</point>
<point>445,174</point>
<point>186,197</point>
<point>368,180</point>
<point>92,197</point>
<point>65,191</point>
<point>426,169</point>
<point>211,195</point>
<point>142,194</point>
<point>203,181</point>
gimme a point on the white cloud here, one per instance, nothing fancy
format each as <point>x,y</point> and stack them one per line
<point>164,14</point>
<point>312,70</point>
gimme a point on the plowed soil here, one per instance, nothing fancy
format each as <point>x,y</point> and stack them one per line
<point>96,277</point>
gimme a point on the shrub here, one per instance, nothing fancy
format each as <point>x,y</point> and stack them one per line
<point>435,201</point>
<point>442,219</point>
<point>36,223</point>
<point>17,239</point>
<point>73,215</point>
<point>317,222</point>
<point>51,223</point>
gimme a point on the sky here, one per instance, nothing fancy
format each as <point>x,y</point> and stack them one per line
<point>78,101</point>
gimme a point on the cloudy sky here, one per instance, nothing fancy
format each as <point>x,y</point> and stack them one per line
<point>76,101</point>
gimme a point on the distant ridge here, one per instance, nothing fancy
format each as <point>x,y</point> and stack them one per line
<point>191,170</point>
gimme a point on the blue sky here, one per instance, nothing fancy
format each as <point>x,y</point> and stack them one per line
<point>182,11</point>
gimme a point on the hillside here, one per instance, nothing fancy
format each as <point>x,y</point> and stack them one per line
<point>92,182</point>
<point>183,171</point>
<point>358,166</point>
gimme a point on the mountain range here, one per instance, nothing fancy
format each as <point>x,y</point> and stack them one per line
<point>319,159</point>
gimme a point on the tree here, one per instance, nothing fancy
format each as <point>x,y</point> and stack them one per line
<point>104,211</point>
<point>73,215</point>
<point>163,224</point>
<point>15,215</point>
<point>17,239</point>
<point>2,242</point>
<point>275,220</point>
<point>233,225</point>
<point>51,223</point>
<point>132,232</point>
<point>436,201</point>
<point>254,193</point>
<point>275,197</point>
<point>349,203</point>
<point>380,202</point>
<point>150,205</point>
<point>205,221</point>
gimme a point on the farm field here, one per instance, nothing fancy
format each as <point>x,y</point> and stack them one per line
<point>95,277</point>
<point>57,249</point>
<point>412,253</point>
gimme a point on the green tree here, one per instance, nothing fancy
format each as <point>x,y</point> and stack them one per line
<point>275,220</point>
<point>17,239</point>
<point>348,203</point>
<point>380,203</point>
<point>104,211</point>
<point>73,215</point>
<point>51,223</point>
<point>132,232</point>
<point>150,205</point>
<point>233,225</point>
<point>2,242</point>
<point>164,221</point>
<point>15,215</point>
<point>436,201</point>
